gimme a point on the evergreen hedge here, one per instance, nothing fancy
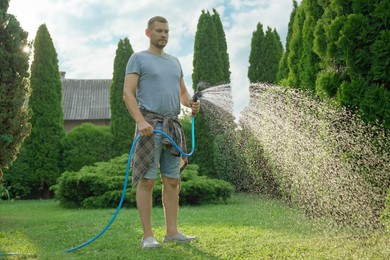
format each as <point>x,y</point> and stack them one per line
<point>100,186</point>
<point>339,50</point>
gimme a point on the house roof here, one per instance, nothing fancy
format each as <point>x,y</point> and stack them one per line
<point>86,99</point>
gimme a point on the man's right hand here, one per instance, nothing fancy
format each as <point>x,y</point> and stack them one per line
<point>145,129</point>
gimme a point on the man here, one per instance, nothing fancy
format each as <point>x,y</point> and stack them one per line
<point>155,79</point>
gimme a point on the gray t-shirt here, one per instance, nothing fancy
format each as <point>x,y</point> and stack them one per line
<point>159,82</point>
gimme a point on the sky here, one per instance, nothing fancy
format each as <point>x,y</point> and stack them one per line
<point>86,33</point>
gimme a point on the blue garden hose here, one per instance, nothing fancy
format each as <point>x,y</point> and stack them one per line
<point>127,178</point>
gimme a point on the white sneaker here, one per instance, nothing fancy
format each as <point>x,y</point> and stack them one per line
<point>179,237</point>
<point>149,242</point>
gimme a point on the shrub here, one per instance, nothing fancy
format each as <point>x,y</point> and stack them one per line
<point>100,186</point>
<point>4,194</point>
<point>327,84</point>
<point>85,145</point>
<point>385,217</point>
<point>18,185</point>
<point>257,176</point>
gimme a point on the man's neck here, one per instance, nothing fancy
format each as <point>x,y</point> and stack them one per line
<point>156,51</point>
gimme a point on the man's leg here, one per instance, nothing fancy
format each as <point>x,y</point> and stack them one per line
<point>170,171</point>
<point>144,205</point>
<point>170,198</point>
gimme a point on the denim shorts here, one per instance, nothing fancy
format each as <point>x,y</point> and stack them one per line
<point>169,163</point>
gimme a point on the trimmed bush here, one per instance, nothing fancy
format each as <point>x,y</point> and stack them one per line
<point>385,217</point>
<point>100,186</point>
<point>85,145</point>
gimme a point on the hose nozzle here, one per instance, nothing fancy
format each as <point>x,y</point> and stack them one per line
<point>196,96</point>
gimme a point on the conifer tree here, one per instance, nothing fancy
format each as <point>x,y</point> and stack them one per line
<point>276,54</point>
<point>309,62</point>
<point>296,49</point>
<point>273,51</point>
<point>14,86</point>
<point>265,55</point>
<point>206,60</point>
<point>122,124</point>
<point>211,65</point>
<point>222,47</point>
<point>256,56</point>
<point>41,155</point>
<point>283,66</point>
<point>351,40</point>
<point>205,65</point>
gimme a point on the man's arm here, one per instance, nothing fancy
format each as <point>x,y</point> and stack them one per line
<point>129,92</point>
<point>186,99</point>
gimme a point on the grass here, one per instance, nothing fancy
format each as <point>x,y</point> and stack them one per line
<point>247,227</point>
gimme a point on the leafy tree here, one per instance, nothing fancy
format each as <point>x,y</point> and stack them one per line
<point>14,86</point>
<point>40,160</point>
<point>122,124</point>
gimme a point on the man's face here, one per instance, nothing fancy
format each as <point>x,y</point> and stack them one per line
<point>158,34</point>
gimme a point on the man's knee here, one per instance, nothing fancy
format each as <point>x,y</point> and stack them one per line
<point>146,184</point>
<point>171,183</point>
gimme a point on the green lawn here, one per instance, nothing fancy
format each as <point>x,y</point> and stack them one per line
<point>248,227</point>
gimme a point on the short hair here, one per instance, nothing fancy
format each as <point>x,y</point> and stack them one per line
<point>154,19</point>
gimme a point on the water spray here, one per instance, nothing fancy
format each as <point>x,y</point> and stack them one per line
<point>195,98</point>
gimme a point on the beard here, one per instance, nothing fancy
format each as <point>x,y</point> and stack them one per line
<point>160,43</point>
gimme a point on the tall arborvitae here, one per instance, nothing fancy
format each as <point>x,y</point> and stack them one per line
<point>205,65</point>
<point>296,49</point>
<point>42,149</point>
<point>222,47</point>
<point>256,56</point>
<point>380,49</point>
<point>211,65</point>
<point>14,87</point>
<point>282,75</point>
<point>265,55</point>
<point>122,124</point>
<point>206,60</point>
<point>309,62</point>
<point>351,40</point>
<point>273,51</point>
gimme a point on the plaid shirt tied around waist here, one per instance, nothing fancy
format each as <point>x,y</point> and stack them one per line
<point>143,155</point>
